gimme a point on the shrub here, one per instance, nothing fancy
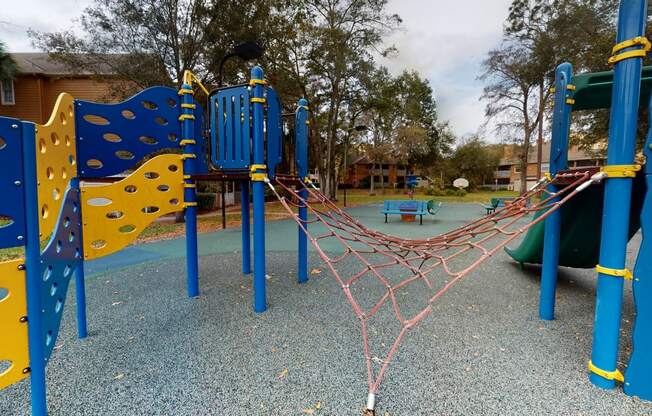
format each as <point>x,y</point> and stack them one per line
<point>205,201</point>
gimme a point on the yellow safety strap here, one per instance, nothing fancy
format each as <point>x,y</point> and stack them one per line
<point>189,204</point>
<point>183,91</point>
<point>305,107</point>
<point>258,100</point>
<point>185,142</point>
<point>307,180</point>
<point>186,117</point>
<point>254,168</point>
<point>192,106</point>
<point>185,156</point>
<point>187,177</point>
<point>570,101</point>
<point>189,78</point>
<point>258,177</point>
<point>609,375</point>
<point>637,41</point>
<point>548,176</point>
<point>570,87</point>
<point>253,82</point>
<point>624,273</point>
<point>621,171</point>
<point>189,185</point>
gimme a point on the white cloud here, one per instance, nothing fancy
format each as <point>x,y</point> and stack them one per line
<point>446,42</point>
<point>41,15</point>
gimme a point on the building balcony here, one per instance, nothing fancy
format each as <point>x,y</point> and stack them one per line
<point>502,173</point>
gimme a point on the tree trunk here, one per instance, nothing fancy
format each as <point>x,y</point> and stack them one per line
<point>371,177</point>
<point>540,130</point>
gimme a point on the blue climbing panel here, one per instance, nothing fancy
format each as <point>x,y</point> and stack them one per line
<point>112,138</point>
<point>274,121</point>
<point>231,128</point>
<point>639,368</point>
<point>59,260</point>
<point>12,211</point>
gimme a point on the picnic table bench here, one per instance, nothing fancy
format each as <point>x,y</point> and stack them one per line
<point>409,207</point>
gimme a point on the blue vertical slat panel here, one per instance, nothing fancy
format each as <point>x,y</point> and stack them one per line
<point>12,209</point>
<point>200,137</point>
<point>231,128</point>
<point>58,261</point>
<point>112,138</point>
<point>274,125</point>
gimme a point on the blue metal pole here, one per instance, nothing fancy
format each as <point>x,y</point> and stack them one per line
<point>617,196</point>
<point>189,145</point>
<point>246,228</point>
<point>80,285</point>
<point>301,131</point>
<point>639,367</point>
<point>558,161</point>
<point>34,278</point>
<point>258,176</point>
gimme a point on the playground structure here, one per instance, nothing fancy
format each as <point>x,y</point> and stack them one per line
<point>49,169</point>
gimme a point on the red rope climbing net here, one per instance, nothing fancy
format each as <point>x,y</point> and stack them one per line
<point>381,274</point>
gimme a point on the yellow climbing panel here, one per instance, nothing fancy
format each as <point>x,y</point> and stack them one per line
<point>114,214</point>
<point>14,354</point>
<point>56,161</point>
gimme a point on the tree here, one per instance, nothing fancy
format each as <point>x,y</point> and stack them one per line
<point>474,160</point>
<point>325,53</point>
<point>8,66</point>
<point>511,96</point>
<point>152,42</point>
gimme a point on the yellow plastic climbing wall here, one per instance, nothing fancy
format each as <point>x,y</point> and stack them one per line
<point>56,161</point>
<point>115,214</point>
<point>14,354</point>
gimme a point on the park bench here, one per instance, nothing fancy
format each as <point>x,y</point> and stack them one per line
<point>498,202</point>
<point>409,207</point>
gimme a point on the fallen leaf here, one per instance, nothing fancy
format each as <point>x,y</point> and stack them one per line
<point>315,271</point>
<point>309,411</point>
<point>273,349</point>
<point>318,405</point>
<point>282,374</point>
<point>118,376</point>
<point>117,303</point>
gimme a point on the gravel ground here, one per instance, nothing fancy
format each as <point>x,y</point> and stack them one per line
<point>483,350</point>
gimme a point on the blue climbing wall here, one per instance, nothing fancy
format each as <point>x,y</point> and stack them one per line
<point>112,138</point>
<point>58,262</point>
<point>12,215</point>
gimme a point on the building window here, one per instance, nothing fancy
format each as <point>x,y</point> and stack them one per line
<point>7,92</point>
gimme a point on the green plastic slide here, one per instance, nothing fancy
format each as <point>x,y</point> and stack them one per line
<point>581,220</point>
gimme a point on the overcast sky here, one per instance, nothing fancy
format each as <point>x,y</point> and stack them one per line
<point>442,39</point>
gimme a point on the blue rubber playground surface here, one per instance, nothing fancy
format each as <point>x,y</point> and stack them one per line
<point>483,350</point>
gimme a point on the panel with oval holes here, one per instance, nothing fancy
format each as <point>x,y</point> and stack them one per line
<point>115,214</point>
<point>14,355</point>
<point>59,260</point>
<point>12,207</point>
<point>56,161</point>
<point>114,138</point>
